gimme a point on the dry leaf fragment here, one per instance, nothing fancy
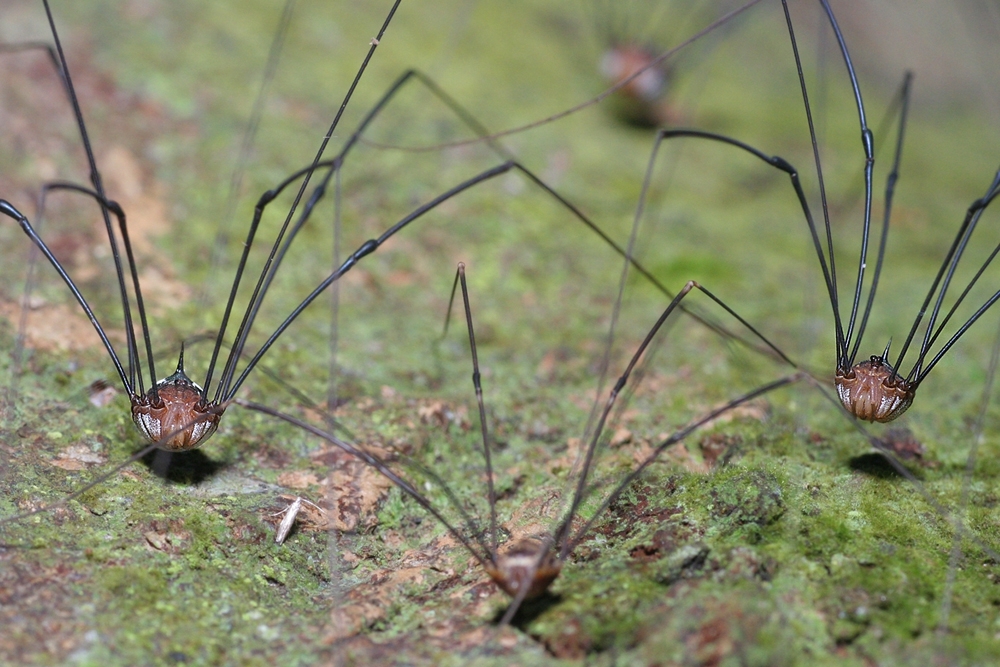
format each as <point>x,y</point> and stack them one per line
<point>77,457</point>
<point>622,436</point>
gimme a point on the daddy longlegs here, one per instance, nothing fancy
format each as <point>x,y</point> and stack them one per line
<point>629,39</point>
<point>525,568</point>
<point>873,390</point>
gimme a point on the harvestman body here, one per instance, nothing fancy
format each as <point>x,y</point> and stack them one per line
<point>174,414</point>
<point>873,391</point>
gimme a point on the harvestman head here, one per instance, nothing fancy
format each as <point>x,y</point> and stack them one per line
<point>526,568</point>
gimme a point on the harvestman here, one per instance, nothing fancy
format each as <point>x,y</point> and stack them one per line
<point>527,567</point>
<point>631,37</point>
<point>625,37</point>
<point>875,389</point>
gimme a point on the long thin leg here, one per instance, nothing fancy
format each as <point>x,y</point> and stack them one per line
<point>95,179</point>
<point>674,439</point>
<point>581,485</point>
<point>57,59</point>
<point>931,334</point>
<point>867,142</point>
<point>780,163</point>
<point>134,366</point>
<point>477,385</point>
<point>331,392</point>
<point>890,189</point>
<point>7,209</point>
<point>291,212</point>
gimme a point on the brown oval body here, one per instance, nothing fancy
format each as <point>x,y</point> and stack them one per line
<point>641,101</point>
<point>175,415</point>
<point>873,391</point>
<point>524,565</point>
<point>619,63</point>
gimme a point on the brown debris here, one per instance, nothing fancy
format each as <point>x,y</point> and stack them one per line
<point>78,457</point>
<point>442,415</point>
<point>622,436</point>
<point>367,604</point>
<point>298,479</point>
<point>55,327</point>
<point>900,441</point>
<point>716,446</point>
<point>167,536</point>
<point>347,498</point>
<point>101,393</point>
<point>353,493</point>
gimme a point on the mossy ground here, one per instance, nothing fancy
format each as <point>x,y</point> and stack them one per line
<point>771,538</point>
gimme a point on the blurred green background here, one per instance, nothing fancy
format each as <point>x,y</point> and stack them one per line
<point>795,546</point>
